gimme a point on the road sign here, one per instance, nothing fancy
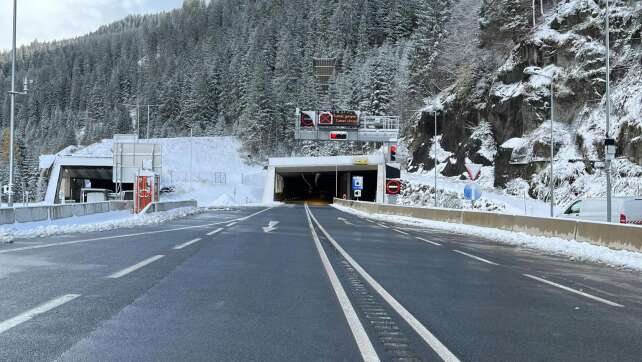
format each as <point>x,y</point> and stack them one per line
<point>473,170</point>
<point>472,192</point>
<point>357,193</point>
<point>357,183</point>
<point>326,119</point>
<point>307,119</point>
<point>393,187</point>
<point>346,119</point>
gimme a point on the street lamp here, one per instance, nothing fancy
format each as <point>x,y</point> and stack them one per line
<point>609,143</point>
<point>538,72</point>
<point>13,93</point>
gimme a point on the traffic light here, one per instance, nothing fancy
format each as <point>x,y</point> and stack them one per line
<point>338,136</point>
<point>393,153</point>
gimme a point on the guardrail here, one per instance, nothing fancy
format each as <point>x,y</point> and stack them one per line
<point>615,236</point>
<point>56,212</point>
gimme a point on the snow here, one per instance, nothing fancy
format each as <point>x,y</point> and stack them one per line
<point>507,91</point>
<point>90,223</point>
<point>575,250</point>
<point>502,200</point>
<point>211,170</point>
<point>515,143</point>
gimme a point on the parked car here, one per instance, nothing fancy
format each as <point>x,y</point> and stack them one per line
<point>626,210</point>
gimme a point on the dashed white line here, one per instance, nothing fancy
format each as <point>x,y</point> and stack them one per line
<point>184,245</point>
<point>428,241</point>
<point>475,257</point>
<point>590,296</point>
<point>43,308</point>
<point>134,267</point>
<point>418,327</point>
<point>214,232</point>
<point>368,353</point>
<point>382,225</point>
<point>231,224</point>
<point>73,242</point>
<point>400,232</point>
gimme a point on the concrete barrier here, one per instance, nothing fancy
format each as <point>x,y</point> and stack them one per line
<point>615,236</point>
<point>61,211</point>
<point>96,208</point>
<point>31,214</point>
<point>171,205</point>
<point>121,205</point>
<point>7,216</point>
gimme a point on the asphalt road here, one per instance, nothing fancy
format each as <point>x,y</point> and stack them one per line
<point>293,283</point>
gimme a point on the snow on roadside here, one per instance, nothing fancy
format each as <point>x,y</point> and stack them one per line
<point>91,223</point>
<point>575,250</point>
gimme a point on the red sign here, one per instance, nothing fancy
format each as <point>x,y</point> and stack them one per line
<point>306,120</point>
<point>393,187</point>
<point>325,119</point>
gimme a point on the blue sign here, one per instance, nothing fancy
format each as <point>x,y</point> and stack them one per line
<point>472,192</point>
<point>357,183</point>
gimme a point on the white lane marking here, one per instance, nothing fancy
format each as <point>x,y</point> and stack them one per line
<point>134,267</point>
<point>421,330</point>
<point>368,353</point>
<point>400,232</point>
<point>43,308</point>
<point>382,225</point>
<point>214,232</point>
<point>271,226</point>
<point>475,257</point>
<point>184,245</point>
<point>231,224</point>
<point>64,243</point>
<point>590,296</point>
<point>428,241</point>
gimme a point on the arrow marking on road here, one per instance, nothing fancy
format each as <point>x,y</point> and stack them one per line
<point>271,226</point>
<point>345,221</point>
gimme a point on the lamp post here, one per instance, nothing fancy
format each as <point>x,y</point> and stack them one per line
<point>13,93</point>
<point>436,158</point>
<point>608,142</point>
<point>538,72</point>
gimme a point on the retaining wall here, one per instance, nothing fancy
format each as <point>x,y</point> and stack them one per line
<point>615,236</point>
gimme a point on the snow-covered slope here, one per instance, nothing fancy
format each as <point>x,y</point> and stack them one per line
<point>211,170</point>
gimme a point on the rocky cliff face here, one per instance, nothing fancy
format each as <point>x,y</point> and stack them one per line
<point>508,110</point>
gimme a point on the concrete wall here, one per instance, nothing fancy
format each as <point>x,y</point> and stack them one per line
<point>31,214</point>
<point>55,212</point>
<point>171,205</point>
<point>615,236</point>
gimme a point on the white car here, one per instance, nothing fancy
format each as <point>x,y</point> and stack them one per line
<point>625,210</point>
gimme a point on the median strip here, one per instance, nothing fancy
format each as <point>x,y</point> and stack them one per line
<point>43,308</point>
<point>368,353</point>
<point>575,291</point>
<point>415,324</point>
<point>135,267</point>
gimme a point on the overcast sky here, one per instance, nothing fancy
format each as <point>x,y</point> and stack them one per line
<point>61,19</point>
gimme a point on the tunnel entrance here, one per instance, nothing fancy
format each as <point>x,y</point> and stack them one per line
<point>322,187</point>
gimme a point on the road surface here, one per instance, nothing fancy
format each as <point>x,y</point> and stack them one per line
<point>288,284</point>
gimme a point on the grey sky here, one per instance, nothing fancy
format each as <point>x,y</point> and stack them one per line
<point>61,19</point>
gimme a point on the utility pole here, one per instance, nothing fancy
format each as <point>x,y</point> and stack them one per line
<point>13,93</point>
<point>138,105</point>
<point>552,185</point>
<point>608,114</point>
<point>149,106</point>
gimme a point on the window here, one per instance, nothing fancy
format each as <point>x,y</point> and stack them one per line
<point>574,209</point>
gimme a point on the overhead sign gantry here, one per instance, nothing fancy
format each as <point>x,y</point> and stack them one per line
<point>345,126</point>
